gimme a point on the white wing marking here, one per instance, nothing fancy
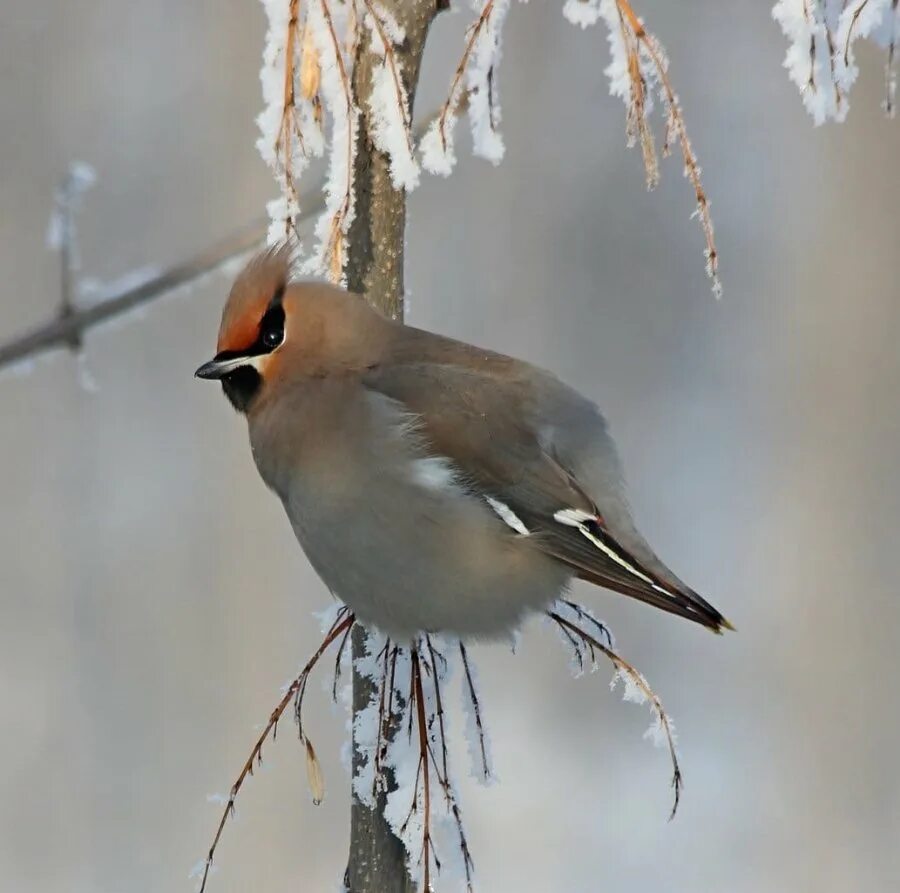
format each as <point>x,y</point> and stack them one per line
<point>577,518</point>
<point>508,516</point>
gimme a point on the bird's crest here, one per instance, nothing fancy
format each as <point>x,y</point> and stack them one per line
<point>263,279</point>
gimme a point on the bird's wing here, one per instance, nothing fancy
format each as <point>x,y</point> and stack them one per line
<point>540,455</point>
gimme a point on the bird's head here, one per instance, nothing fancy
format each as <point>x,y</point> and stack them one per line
<point>275,330</point>
<point>253,330</point>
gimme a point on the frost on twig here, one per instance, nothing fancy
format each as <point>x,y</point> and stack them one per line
<point>820,58</point>
<point>308,76</point>
<point>290,122</point>
<point>326,26</point>
<point>293,692</point>
<point>638,68</point>
<point>402,735</point>
<point>476,734</point>
<point>62,237</point>
<point>402,739</point>
<point>473,86</point>
<point>388,102</point>
<point>305,78</point>
<point>583,634</point>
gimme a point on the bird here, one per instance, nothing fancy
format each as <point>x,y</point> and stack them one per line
<point>435,487</point>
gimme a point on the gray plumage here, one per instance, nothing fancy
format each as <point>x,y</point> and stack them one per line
<point>434,486</point>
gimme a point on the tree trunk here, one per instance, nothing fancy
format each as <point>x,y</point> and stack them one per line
<point>375,268</point>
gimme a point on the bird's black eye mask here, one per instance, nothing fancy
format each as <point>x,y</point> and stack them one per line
<point>242,384</point>
<point>270,334</point>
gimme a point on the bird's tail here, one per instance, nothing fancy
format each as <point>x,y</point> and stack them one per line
<point>681,600</point>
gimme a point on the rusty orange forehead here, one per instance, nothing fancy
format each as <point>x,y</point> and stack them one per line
<point>263,277</point>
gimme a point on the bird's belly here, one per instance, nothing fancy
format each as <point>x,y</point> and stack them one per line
<point>423,561</point>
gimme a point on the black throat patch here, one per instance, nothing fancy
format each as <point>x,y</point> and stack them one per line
<point>241,386</point>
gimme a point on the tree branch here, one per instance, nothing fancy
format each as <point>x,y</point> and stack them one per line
<point>71,323</point>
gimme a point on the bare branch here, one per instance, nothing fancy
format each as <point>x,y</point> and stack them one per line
<point>69,326</point>
<point>476,709</point>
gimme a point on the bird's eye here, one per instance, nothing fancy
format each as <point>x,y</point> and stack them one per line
<point>272,327</point>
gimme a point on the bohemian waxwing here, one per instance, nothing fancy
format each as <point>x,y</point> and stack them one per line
<point>433,485</point>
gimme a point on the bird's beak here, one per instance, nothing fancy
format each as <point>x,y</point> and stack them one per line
<point>220,366</point>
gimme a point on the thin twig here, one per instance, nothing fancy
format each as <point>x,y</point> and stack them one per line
<point>334,251</point>
<point>383,722</point>
<point>64,328</point>
<point>677,126</point>
<point>391,60</point>
<point>626,669</point>
<point>890,75</point>
<point>439,706</point>
<point>337,666</point>
<point>426,770</point>
<point>452,102</point>
<point>289,126</point>
<point>856,14</point>
<point>637,124</point>
<point>68,327</point>
<point>582,614</point>
<point>444,777</point>
<point>342,623</point>
<point>476,709</point>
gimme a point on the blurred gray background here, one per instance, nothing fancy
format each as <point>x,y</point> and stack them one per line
<point>152,597</point>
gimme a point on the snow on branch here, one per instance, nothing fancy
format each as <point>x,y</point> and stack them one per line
<point>290,124</point>
<point>473,87</point>
<point>389,102</point>
<point>307,69</point>
<point>336,91</point>
<point>402,733</point>
<point>318,44</point>
<point>638,68</point>
<point>820,58</point>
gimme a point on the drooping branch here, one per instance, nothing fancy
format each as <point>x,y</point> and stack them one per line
<point>645,65</point>
<point>294,692</point>
<point>585,645</point>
